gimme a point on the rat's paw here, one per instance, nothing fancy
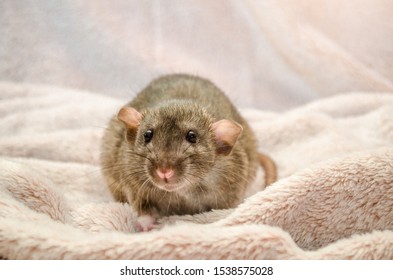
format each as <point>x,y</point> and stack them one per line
<point>145,223</point>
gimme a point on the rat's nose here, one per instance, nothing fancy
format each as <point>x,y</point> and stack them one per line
<point>164,173</point>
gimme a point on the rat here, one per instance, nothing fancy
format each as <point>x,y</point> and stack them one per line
<point>180,147</point>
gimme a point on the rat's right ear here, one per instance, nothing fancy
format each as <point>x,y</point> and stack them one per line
<point>131,118</point>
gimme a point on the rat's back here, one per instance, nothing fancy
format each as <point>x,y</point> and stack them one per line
<point>183,87</point>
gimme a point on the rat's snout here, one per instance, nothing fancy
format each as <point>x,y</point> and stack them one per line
<point>164,173</point>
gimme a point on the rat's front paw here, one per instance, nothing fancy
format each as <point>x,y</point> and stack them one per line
<point>145,223</point>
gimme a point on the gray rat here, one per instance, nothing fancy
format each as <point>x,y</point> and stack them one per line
<point>180,147</point>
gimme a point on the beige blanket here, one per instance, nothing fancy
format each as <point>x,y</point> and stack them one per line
<point>333,199</point>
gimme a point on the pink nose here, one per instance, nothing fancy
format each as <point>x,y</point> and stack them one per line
<point>164,173</point>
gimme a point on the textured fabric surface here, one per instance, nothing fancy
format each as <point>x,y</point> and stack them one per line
<point>333,199</point>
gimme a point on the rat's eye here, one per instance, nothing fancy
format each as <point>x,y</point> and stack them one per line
<point>148,135</point>
<point>191,136</point>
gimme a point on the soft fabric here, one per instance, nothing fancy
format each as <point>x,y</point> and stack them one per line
<point>333,198</point>
<point>266,54</point>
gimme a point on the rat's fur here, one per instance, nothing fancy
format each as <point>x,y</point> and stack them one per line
<point>214,175</point>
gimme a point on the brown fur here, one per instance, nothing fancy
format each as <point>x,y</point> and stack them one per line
<point>172,105</point>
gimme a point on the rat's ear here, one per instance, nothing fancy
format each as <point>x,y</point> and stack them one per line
<point>131,118</point>
<point>226,133</point>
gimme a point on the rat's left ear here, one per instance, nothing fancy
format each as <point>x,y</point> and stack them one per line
<point>226,133</point>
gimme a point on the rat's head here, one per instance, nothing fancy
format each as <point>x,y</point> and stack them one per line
<point>176,144</point>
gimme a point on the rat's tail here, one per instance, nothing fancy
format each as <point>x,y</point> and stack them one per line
<point>269,167</point>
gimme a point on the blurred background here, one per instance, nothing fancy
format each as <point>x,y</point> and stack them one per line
<point>270,54</point>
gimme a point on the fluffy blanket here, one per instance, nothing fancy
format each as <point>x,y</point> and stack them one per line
<point>333,199</point>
